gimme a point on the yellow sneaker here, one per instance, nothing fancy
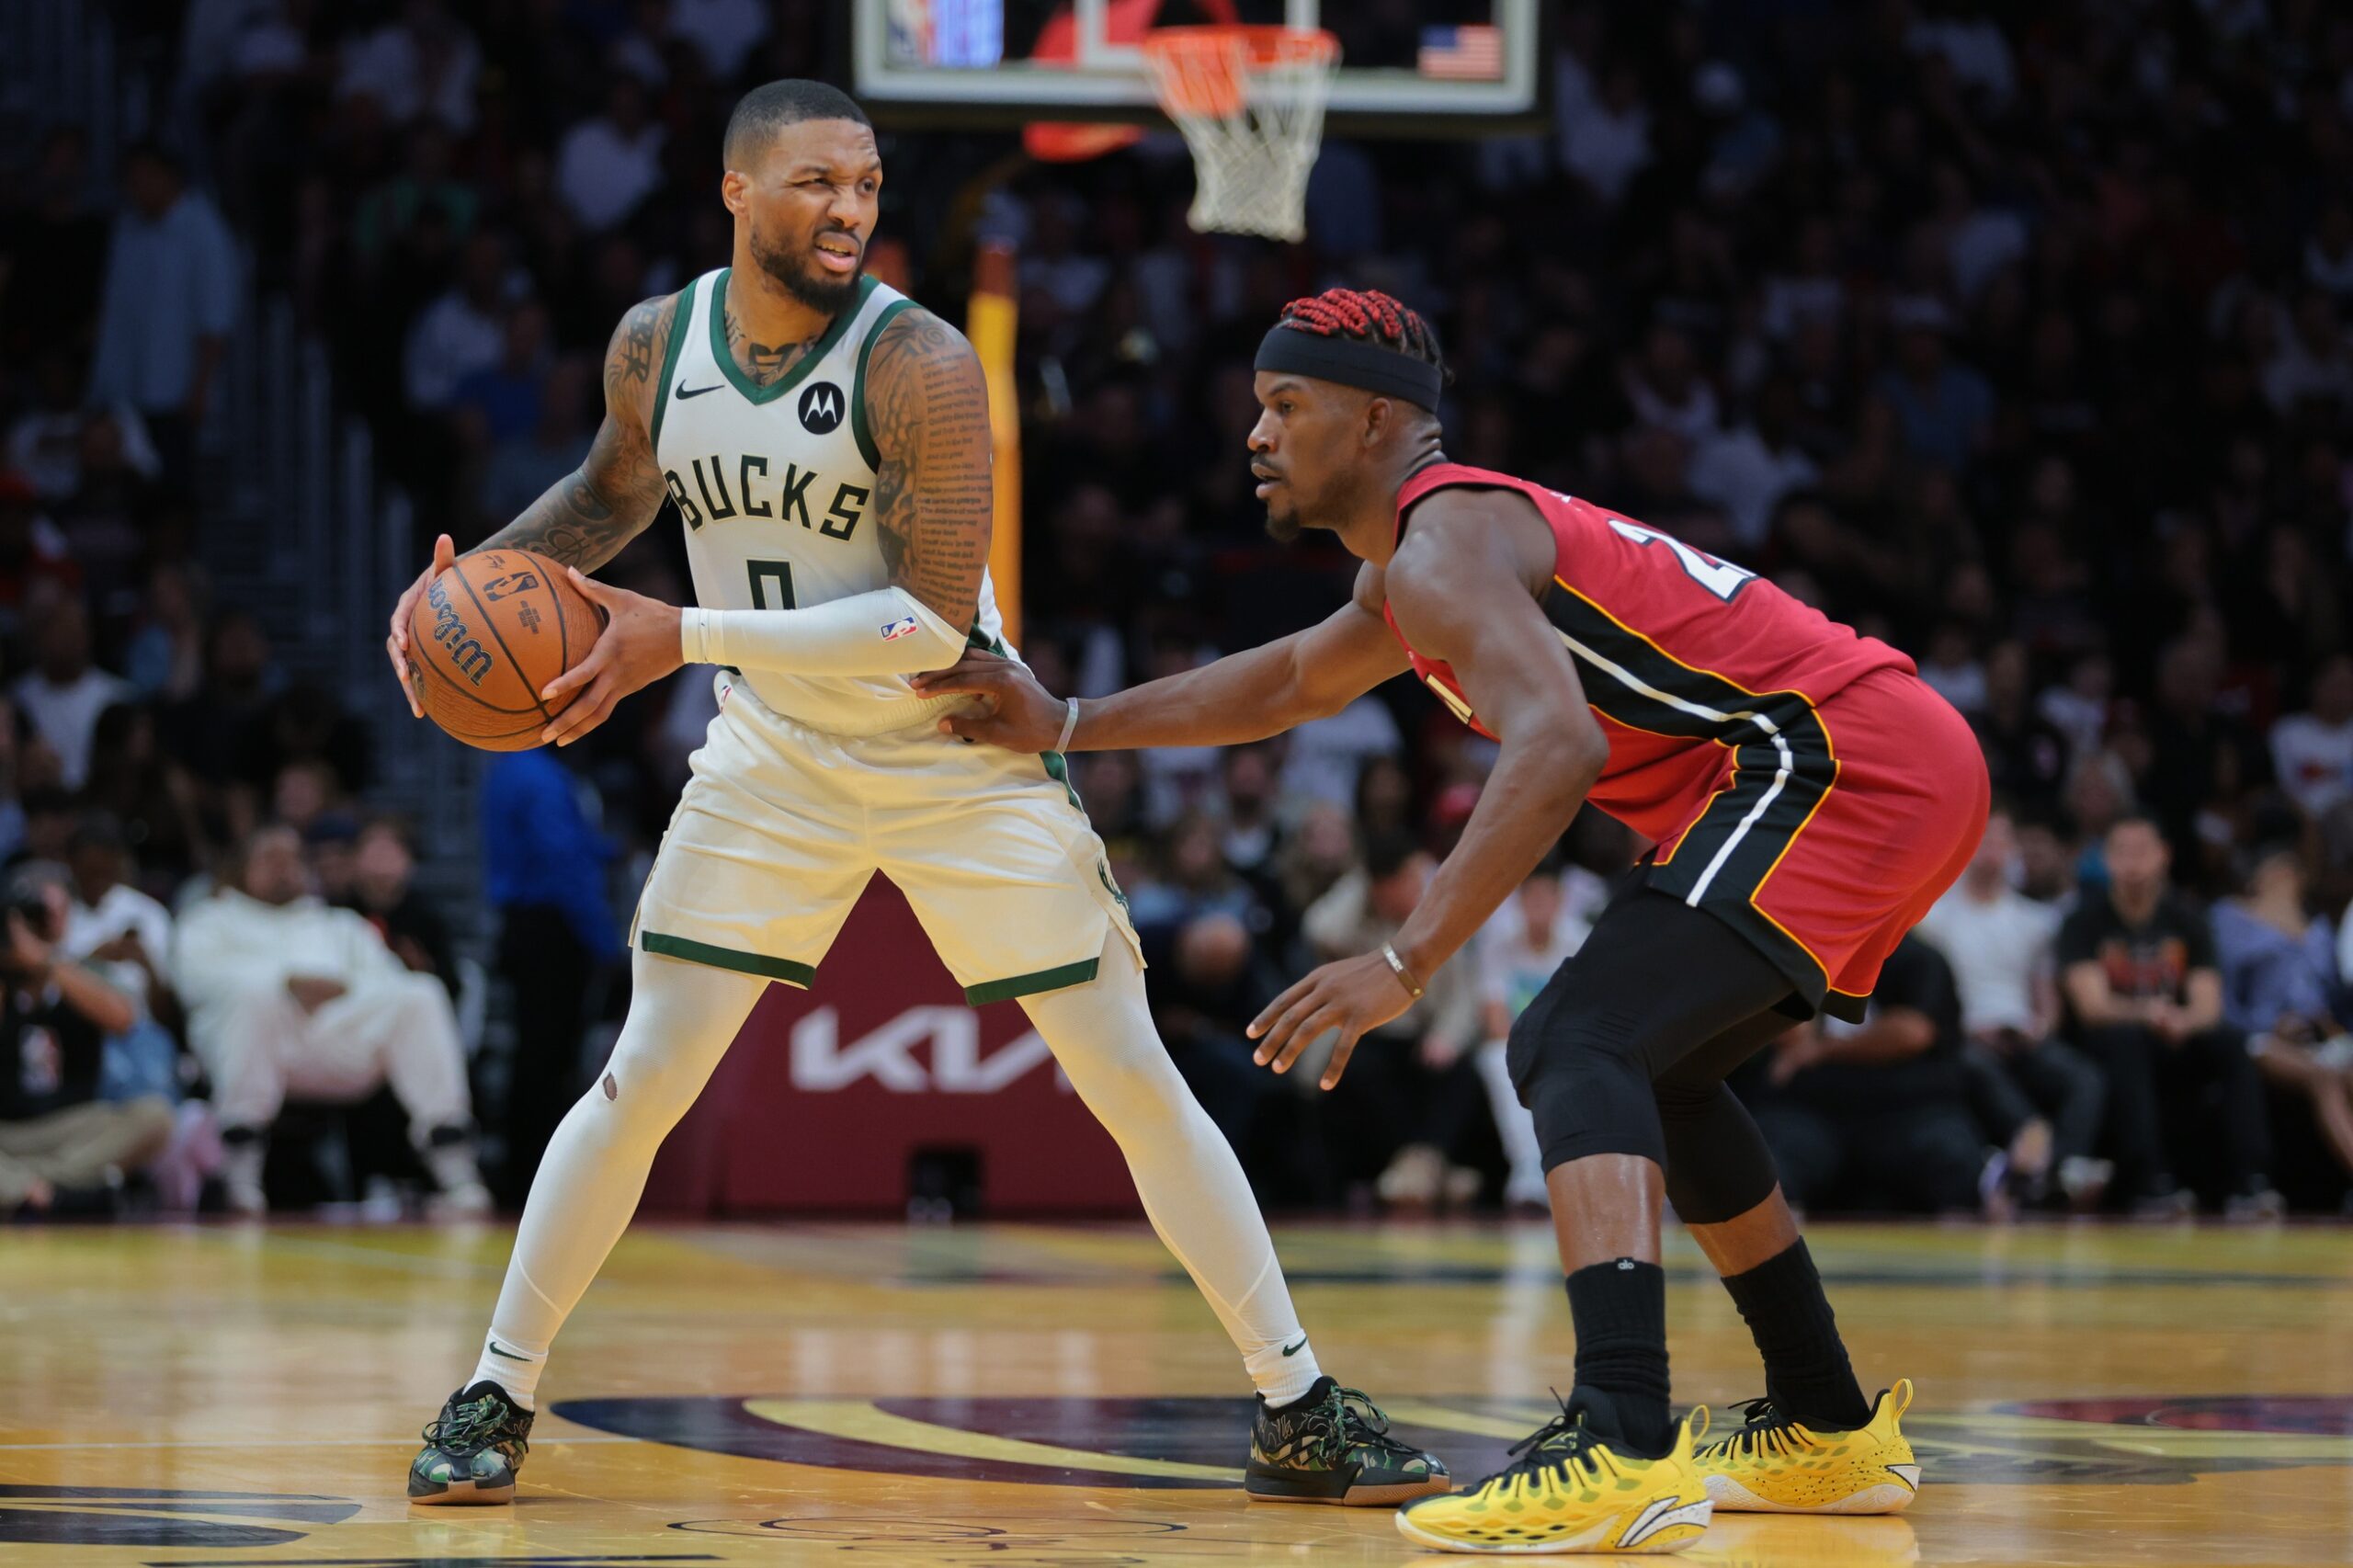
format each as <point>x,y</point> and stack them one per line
<point>1774,1465</point>
<point>1568,1491</point>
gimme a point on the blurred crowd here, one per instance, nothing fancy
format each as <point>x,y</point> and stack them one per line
<point>2016,334</point>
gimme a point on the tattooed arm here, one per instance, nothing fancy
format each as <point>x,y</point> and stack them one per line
<point>588,515</point>
<point>928,406</point>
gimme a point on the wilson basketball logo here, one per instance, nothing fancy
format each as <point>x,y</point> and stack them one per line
<point>468,657</point>
<point>822,408</point>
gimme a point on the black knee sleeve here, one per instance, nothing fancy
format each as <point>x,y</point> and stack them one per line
<point>1656,982</point>
<point>1718,1166</point>
<point>1579,1070</point>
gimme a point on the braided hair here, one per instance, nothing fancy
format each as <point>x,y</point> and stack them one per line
<point>1369,316</point>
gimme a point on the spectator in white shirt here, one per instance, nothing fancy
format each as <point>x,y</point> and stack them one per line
<point>2312,752</point>
<point>286,995</point>
<point>423,66</point>
<point>1519,949</point>
<point>2039,1096</point>
<point>1326,755</point>
<point>1747,470</point>
<point>461,332</point>
<point>126,937</point>
<point>605,166</point>
<point>64,693</point>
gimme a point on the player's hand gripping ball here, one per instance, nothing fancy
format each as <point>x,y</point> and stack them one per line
<point>486,634</point>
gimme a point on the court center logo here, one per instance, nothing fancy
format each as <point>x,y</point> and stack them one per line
<point>1164,1444</point>
<point>822,408</point>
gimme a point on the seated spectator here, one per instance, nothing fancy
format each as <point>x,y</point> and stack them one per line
<point>1193,882</point>
<point>1250,835</point>
<point>2138,973</point>
<point>1415,1095</point>
<point>64,693</point>
<point>2312,752</point>
<point>61,1145</point>
<point>1324,757</point>
<point>1517,952</point>
<point>165,657</point>
<point>286,995</point>
<point>384,871</point>
<point>2038,1097</point>
<point>330,838</point>
<point>126,937</point>
<point>148,795</point>
<point>2280,989</point>
<point>1385,798</point>
<point>1203,997</point>
<point>2025,753</point>
<point>1878,1110</point>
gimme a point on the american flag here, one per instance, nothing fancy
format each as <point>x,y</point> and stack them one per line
<point>1474,53</point>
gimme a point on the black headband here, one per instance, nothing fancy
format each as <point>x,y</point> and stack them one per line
<point>1352,363</point>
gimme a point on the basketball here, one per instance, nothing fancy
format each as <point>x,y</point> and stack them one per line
<point>487,635</point>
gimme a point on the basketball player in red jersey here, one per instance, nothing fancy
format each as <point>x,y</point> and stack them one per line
<point>1809,796</point>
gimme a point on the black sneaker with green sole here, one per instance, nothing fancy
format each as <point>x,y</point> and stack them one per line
<point>1333,1445</point>
<point>473,1452</point>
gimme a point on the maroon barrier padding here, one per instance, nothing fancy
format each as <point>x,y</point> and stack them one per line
<point>900,1064</point>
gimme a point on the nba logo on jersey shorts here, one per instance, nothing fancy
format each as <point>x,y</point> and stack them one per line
<point>902,627</point>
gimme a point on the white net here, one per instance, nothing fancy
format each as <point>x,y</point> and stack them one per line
<point>1250,103</point>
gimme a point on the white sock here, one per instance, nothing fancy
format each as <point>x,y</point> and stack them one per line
<point>682,1017</point>
<point>512,1368</point>
<point>1192,1186</point>
<point>1281,1377</point>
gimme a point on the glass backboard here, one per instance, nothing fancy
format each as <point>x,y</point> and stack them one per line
<point>1407,67</point>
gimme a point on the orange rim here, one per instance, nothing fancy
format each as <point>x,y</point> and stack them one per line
<point>1199,70</point>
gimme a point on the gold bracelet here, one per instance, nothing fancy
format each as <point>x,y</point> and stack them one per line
<point>1404,975</point>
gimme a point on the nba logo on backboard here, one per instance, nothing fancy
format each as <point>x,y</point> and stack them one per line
<point>902,627</point>
<point>821,408</point>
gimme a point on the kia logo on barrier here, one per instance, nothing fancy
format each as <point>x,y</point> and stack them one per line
<point>822,1064</point>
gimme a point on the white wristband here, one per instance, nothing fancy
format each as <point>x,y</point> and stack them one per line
<point>1070,726</point>
<point>694,633</point>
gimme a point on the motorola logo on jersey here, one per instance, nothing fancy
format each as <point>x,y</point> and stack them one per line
<point>822,408</point>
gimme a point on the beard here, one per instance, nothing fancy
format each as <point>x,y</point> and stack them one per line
<point>804,281</point>
<point>1284,528</point>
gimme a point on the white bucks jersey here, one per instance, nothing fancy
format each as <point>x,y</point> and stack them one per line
<point>775,486</point>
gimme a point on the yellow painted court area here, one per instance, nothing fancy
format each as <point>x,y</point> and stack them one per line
<point>1011,1394</point>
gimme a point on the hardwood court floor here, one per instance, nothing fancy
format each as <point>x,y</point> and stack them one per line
<point>1012,1395</point>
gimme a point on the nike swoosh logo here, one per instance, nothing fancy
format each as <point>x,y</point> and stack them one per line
<point>495,1350</point>
<point>1294,1349</point>
<point>683,393</point>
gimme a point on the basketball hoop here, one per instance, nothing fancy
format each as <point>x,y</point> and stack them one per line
<point>1250,102</point>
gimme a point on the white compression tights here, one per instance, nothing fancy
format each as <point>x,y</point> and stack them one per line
<point>682,1018</point>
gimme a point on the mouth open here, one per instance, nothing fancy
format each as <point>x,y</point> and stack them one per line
<point>837,253</point>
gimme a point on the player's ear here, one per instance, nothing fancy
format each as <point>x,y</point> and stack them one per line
<point>735,190</point>
<point>1380,414</point>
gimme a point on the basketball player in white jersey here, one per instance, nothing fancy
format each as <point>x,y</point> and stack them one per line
<point>826,441</point>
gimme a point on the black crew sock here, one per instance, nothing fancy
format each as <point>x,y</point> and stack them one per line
<point>1620,1309</point>
<point>1806,1370</point>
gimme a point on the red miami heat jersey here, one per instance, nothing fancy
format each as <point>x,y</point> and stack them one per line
<point>1684,658</point>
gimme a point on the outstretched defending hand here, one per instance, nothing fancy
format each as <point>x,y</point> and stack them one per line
<point>637,647</point>
<point>1016,713</point>
<point>1354,995</point>
<point>445,555</point>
